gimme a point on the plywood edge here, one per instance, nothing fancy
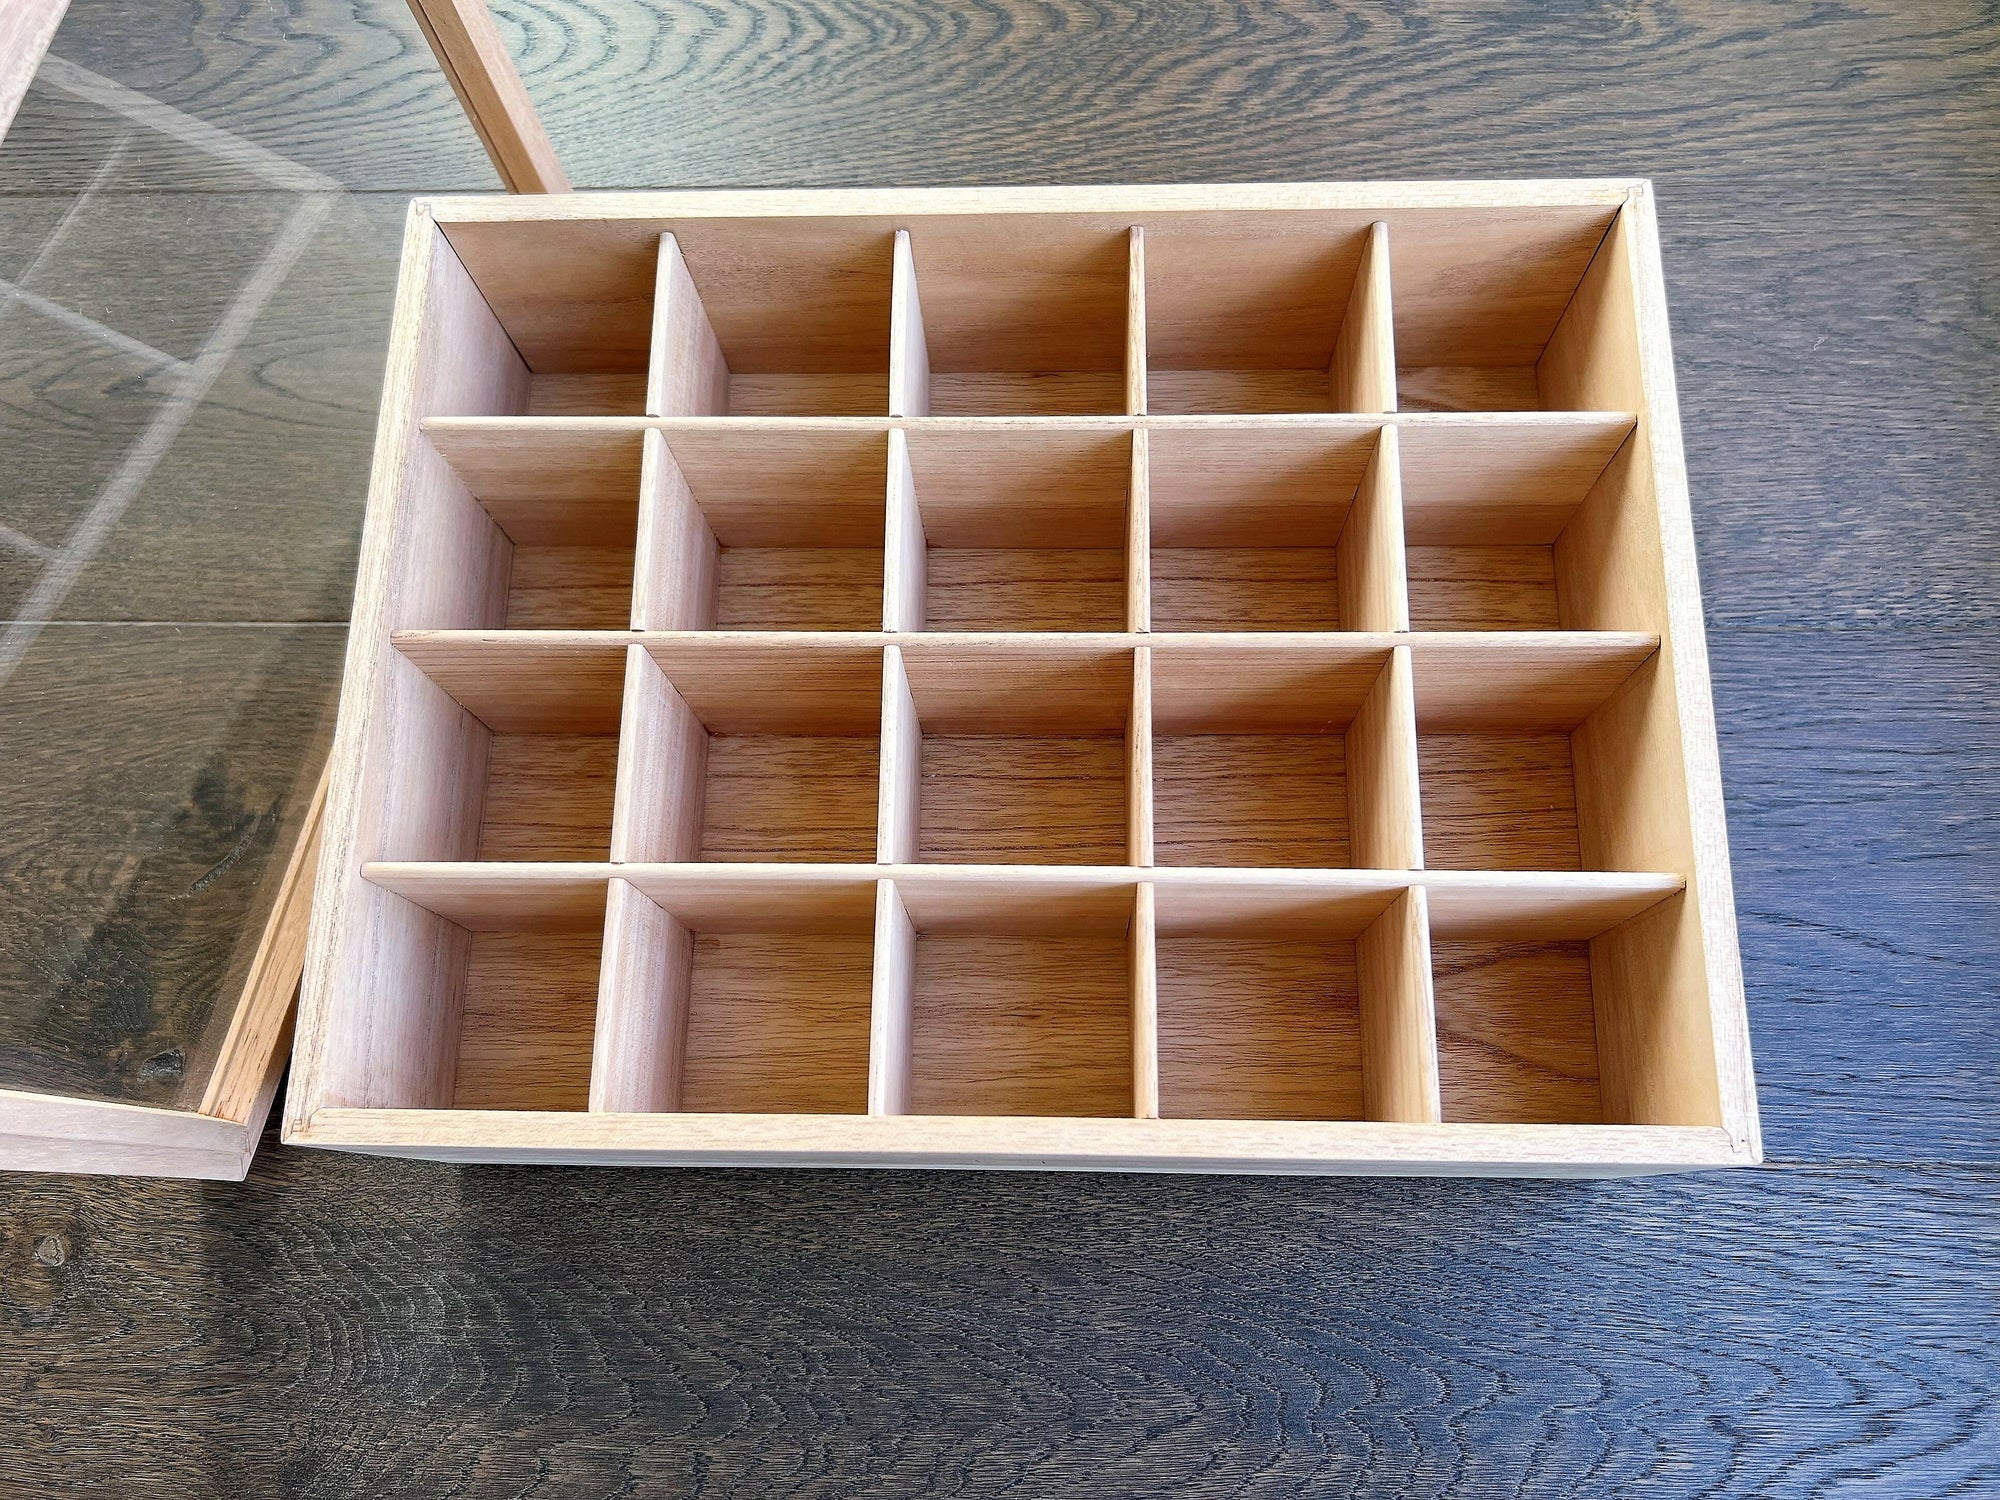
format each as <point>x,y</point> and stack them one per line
<point>1693,691</point>
<point>50,1133</point>
<point>1029,1144</point>
<point>1287,197</point>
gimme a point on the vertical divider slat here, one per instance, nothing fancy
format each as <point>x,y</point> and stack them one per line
<point>1139,536</point>
<point>657,802</point>
<point>1145,1007</point>
<point>1363,373</point>
<point>1399,1064</point>
<point>909,352</point>
<point>642,1003</point>
<point>1370,567</point>
<point>1384,811</point>
<point>678,559</point>
<point>890,1003</point>
<point>686,374</point>
<point>1135,324</point>
<point>1139,762</point>
<point>905,548</point>
<point>902,765</point>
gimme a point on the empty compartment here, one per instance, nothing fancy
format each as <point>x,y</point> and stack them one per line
<point>1258,320</point>
<point>735,997</point>
<point>535,526</point>
<point>1012,529</point>
<point>1275,757</point>
<point>1571,1003</point>
<point>771,317</point>
<point>486,998</point>
<point>1525,754</point>
<point>1487,512</point>
<point>1285,1002</point>
<point>1007,997</point>
<point>748,752</point>
<point>1483,307</point>
<point>771,527</point>
<point>1272,528</point>
<point>1005,755</point>
<point>1023,317</point>
<point>500,749</point>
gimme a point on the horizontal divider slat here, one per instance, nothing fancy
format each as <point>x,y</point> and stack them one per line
<point>1538,905</point>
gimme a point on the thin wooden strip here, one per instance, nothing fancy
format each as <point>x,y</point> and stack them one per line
<point>1139,537</point>
<point>909,353</point>
<point>906,550</point>
<point>1145,1008</point>
<point>1363,373</point>
<point>639,1046</point>
<point>489,89</point>
<point>899,811</point>
<point>1370,569</point>
<point>1139,761</point>
<point>1135,323</point>
<point>1384,820</point>
<point>890,1004</point>
<point>686,374</point>
<point>1399,1068</point>
<point>678,563</point>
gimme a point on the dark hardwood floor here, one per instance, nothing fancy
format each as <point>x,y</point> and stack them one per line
<point>1829,177</point>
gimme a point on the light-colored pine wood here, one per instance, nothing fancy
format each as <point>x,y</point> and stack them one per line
<point>1082,614</point>
<point>642,1006</point>
<point>677,568</point>
<point>1135,325</point>
<point>475,62</point>
<point>662,770</point>
<point>1399,1060</point>
<point>1138,537</point>
<point>1139,762</point>
<point>686,375</point>
<point>909,353</point>
<point>905,546</point>
<point>1371,570</point>
<point>1363,371</point>
<point>1143,964</point>
<point>890,1005</point>
<point>1384,812</point>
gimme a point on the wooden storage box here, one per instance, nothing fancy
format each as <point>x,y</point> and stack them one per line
<point>1175,678</point>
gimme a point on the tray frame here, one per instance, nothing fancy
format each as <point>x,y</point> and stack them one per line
<point>1732,1138</point>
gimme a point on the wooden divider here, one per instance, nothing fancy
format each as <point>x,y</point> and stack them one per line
<point>1169,815</point>
<point>1363,372</point>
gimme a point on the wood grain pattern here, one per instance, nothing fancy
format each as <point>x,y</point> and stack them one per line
<point>1000,799</point>
<point>778,1024</point>
<point>1498,802</point>
<point>1844,1348</point>
<point>1256,1029</point>
<point>1009,1025</point>
<point>1516,1033</point>
<point>1256,800</point>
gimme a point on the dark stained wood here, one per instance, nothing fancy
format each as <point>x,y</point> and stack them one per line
<point>348,1326</point>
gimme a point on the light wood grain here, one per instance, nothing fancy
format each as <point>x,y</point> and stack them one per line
<point>1363,370</point>
<point>1398,1029</point>
<point>527,1025</point>
<point>482,74</point>
<point>1011,1025</point>
<point>686,374</point>
<point>1258,1028</point>
<point>955,814</point>
<point>1143,962</point>
<point>640,1034</point>
<point>1516,1033</point>
<point>891,999</point>
<point>1372,576</point>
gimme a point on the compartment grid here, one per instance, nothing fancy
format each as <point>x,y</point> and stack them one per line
<point>1084,705</point>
